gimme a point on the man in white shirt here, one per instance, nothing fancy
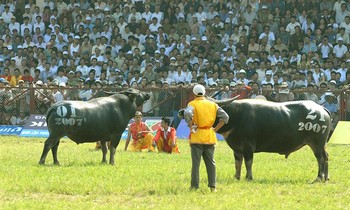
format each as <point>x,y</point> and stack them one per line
<point>269,34</point>
<point>7,15</point>
<point>39,23</point>
<point>346,25</point>
<point>340,15</point>
<point>147,14</point>
<point>14,25</point>
<point>155,25</point>
<point>158,14</point>
<point>340,49</point>
<point>25,25</point>
<point>290,27</point>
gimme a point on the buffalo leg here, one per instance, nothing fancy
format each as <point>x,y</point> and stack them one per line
<point>238,164</point>
<point>54,153</point>
<point>104,151</point>
<point>322,160</point>
<point>114,144</point>
<point>326,177</point>
<point>248,161</point>
<point>49,143</point>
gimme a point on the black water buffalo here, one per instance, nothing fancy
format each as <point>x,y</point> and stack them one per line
<point>101,119</point>
<point>263,126</point>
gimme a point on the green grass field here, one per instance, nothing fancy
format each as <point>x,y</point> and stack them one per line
<point>160,181</point>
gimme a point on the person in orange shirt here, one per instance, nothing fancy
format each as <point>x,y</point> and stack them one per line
<point>200,116</point>
<point>165,139</point>
<point>141,135</point>
<point>15,78</point>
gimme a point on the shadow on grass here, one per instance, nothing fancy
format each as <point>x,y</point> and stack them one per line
<point>75,164</point>
<point>269,181</point>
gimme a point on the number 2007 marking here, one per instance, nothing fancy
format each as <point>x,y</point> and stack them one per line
<point>315,127</point>
<point>310,126</point>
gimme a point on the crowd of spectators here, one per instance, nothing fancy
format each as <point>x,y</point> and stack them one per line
<point>245,47</point>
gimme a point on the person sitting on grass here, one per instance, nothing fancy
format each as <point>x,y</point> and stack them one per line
<point>141,135</point>
<point>165,139</point>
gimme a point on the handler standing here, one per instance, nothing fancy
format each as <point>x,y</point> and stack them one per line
<point>200,116</point>
<point>141,135</point>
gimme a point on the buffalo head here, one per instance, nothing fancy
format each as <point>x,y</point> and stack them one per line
<point>134,95</point>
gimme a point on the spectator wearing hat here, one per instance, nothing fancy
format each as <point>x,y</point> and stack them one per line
<point>14,25</point>
<point>340,49</point>
<point>332,105</point>
<point>147,14</point>
<point>263,14</point>
<point>232,19</point>
<point>53,23</point>
<point>75,46</point>
<point>268,77</point>
<point>283,93</point>
<point>241,77</point>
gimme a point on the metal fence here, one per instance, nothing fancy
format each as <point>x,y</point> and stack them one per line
<point>16,103</point>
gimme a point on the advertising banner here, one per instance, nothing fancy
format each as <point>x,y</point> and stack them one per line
<point>8,130</point>
<point>35,127</point>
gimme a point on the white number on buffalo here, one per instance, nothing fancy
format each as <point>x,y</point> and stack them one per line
<point>310,126</point>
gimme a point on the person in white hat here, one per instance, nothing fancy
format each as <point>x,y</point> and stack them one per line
<point>340,49</point>
<point>200,116</point>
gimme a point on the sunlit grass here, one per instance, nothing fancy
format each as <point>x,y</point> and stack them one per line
<point>160,181</point>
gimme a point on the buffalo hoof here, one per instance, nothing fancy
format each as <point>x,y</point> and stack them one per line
<point>41,162</point>
<point>111,163</point>
<point>248,178</point>
<point>104,162</point>
<point>238,178</point>
<point>318,180</point>
<point>57,163</point>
